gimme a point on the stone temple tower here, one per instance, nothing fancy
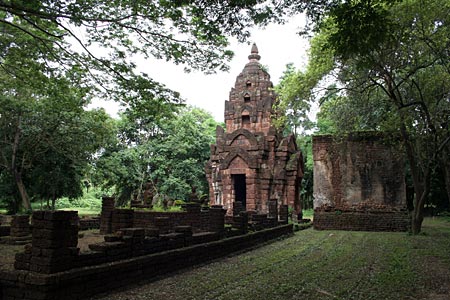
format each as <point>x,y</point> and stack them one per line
<point>252,162</point>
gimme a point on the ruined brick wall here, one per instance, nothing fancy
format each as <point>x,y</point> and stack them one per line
<point>147,219</point>
<point>86,223</point>
<point>117,218</point>
<point>362,221</point>
<point>358,173</point>
<point>81,283</point>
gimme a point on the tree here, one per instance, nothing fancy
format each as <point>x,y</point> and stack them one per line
<point>171,154</point>
<point>293,101</point>
<point>44,126</point>
<point>397,79</point>
<point>69,34</point>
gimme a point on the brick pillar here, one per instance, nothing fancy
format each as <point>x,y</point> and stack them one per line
<point>273,209</point>
<point>54,244</point>
<point>240,222</point>
<point>272,217</point>
<point>20,226</point>
<point>284,214</point>
<point>106,214</point>
<point>237,208</point>
<point>259,221</point>
<point>193,211</point>
<point>217,218</point>
<point>121,218</point>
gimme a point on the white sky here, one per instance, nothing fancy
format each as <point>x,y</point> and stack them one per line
<point>278,45</point>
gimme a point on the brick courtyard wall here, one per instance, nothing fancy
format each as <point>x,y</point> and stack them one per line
<point>197,219</point>
<point>5,230</point>
<point>362,221</point>
<point>121,218</point>
<point>89,223</point>
<point>20,226</point>
<point>216,220</point>
<point>82,283</point>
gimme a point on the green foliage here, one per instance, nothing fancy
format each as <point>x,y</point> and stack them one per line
<point>306,193</point>
<point>192,33</point>
<point>47,136</point>
<point>169,209</point>
<point>89,203</point>
<point>171,153</point>
<point>394,80</point>
<point>9,196</point>
<point>91,200</point>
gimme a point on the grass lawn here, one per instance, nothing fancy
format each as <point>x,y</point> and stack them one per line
<point>320,265</point>
<point>84,211</point>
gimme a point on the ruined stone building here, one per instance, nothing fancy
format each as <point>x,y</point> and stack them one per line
<point>359,184</point>
<point>251,161</point>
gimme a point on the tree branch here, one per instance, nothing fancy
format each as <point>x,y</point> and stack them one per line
<point>24,30</point>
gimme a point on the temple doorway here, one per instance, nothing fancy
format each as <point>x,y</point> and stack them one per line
<point>240,189</point>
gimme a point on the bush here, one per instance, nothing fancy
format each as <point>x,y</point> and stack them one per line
<point>179,202</point>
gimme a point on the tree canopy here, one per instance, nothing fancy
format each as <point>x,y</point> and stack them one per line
<point>391,69</point>
<point>47,137</point>
<point>101,37</point>
<point>170,154</point>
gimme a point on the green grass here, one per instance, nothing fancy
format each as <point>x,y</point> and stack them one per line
<point>321,265</point>
<point>308,214</point>
<point>89,204</point>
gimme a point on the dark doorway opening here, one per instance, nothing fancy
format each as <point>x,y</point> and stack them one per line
<point>240,189</point>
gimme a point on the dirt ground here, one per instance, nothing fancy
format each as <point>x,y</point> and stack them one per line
<point>7,252</point>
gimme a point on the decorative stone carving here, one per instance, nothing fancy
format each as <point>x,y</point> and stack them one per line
<point>251,160</point>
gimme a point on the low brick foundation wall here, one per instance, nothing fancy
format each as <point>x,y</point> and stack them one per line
<point>362,221</point>
<point>197,220</point>
<point>89,223</point>
<point>5,230</point>
<point>81,283</point>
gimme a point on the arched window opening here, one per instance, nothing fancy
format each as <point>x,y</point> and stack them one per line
<point>246,98</point>
<point>248,83</point>
<point>245,117</point>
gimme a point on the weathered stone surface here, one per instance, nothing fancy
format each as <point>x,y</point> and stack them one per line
<point>20,226</point>
<point>250,162</point>
<point>358,175</point>
<point>47,282</point>
<point>106,214</point>
<point>362,221</point>
<point>54,241</point>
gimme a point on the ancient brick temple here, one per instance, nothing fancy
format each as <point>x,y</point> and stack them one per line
<point>359,183</point>
<point>251,162</point>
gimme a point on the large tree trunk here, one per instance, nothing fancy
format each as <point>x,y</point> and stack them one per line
<point>422,189</point>
<point>417,215</point>
<point>14,169</point>
<point>22,190</point>
<point>421,183</point>
<point>446,167</point>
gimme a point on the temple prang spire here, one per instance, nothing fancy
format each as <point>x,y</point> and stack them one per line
<point>251,163</point>
<point>254,54</point>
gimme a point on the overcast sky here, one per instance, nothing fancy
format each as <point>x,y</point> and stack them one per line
<point>278,45</point>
